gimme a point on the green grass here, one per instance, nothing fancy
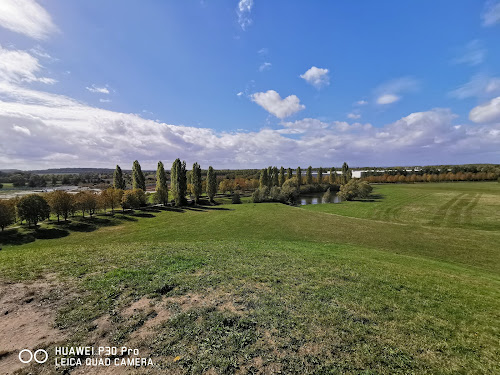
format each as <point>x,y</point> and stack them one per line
<point>408,283</point>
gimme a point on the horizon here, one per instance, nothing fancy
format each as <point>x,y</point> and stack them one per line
<point>246,84</point>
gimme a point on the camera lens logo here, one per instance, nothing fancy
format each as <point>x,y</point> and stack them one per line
<point>39,356</point>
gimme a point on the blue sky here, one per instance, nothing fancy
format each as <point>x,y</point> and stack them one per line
<point>249,83</point>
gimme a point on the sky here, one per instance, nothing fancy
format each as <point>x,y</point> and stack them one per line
<point>248,83</point>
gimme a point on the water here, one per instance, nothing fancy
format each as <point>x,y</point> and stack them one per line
<point>317,198</point>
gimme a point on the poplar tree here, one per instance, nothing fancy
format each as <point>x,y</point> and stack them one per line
<point>320,175</point>
<point>211,184</point>
<point>309,176</point>
<point>118,180</point>
<point>178,182</point>
<point>269,177</point>
<point>161,185</point>
<point>299,177</point>
<point>346,173</point>
<point>264,179</point>
<point>275,181</point>
<point>289,173</point>
<point>138,179</point>
<point>333,176</point>
<point>196,181</point>
<point>282,177</point>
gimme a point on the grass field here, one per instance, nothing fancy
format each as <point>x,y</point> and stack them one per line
<point>406,283</point>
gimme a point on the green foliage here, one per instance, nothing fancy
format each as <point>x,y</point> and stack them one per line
<point>299,176</point>
<point>211,184</point>
<point>282,176</point>
<point>275,177</point>
<point>309,176</point>
<point>264,179</point>
<point>33,208</point>
<point>86,201</point>
<point>179,182</point>
<point>138,179</point>
<point>197,182</point>
<point>289,173</point>
<point>355,189</point>
<point>320,175</point>
<point>346,174</point>
<point>61,203</point>
<point>332,178</point>
<point>235,199</point>
<point>134,199</point>
<point>161,194</point>
<point>7,213</point>
<point>118,180</point>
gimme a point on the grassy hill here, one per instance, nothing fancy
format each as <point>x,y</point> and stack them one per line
<point>406,283</point>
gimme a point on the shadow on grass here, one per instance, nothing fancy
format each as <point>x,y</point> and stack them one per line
<point>50,233</point>
<point>16,237</point>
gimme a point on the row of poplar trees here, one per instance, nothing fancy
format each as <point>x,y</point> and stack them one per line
<point>178,182</point>
<point>270,176</point>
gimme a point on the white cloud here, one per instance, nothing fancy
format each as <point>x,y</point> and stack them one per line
<point>98,90</point>
<point>390,92</point>
<point>361,102</point>
<point>353,116</point>
<point>41,129</point>
<point>26,17</point>
<point>263,51</point>
<point>473,54</point>
<point>19,66</point>
<point>105,100</point>
<point>271,101</point>
<point>487,112</point>
<point>387,99</point>
<point>244,10</point>
<point>239,94</point>
<point>265,66</point>
<point>481,86</point>
<point>491,13</point>
<point>318,77</point>
<point>21,129</point>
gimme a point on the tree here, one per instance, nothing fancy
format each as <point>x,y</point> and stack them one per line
<point>118,180</point>
<point>197,182</point>
<point>275,181</point>
<point>346,173</point>
<point>289,173</point>
<point>264,179</point>
<point>320,175</point>
<point>112,197</point>
<point>87,202</point>
<point>7,213</point>
<point>332,178</point>
<point>226,185</point>
<point>211,184</point>
<point>299,177</point>
<point>54,180</point>
<point>133,198</point>
<point>33,208</point>
<point>138,179</point>
<point>355,189</point>
<point>309,176</point>
<point>178,182</point>
<point>61,203</point>
<point>269,177</point>
<point>282,177</point>
<point>161,195</point>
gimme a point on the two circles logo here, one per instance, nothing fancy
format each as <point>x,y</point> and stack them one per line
<point>39,356</point>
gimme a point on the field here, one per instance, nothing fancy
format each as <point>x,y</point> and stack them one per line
<point>407,282</point>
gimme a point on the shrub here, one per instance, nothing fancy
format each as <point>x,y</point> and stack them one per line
<point>355,189</point>
<point>235,199</point>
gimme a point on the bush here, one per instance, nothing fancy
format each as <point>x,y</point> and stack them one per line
<point>33,208</point>
<point>1,186</point>
<point>235,199</point>
<point>290,194</point>
<point>355,189</point>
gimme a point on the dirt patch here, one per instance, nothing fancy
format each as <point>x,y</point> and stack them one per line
<point>27,315</point>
